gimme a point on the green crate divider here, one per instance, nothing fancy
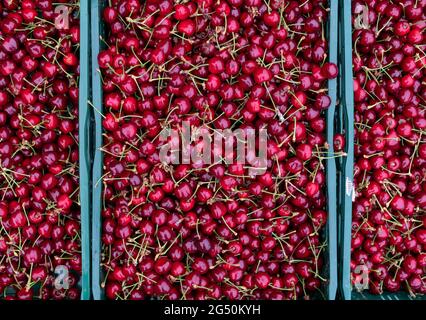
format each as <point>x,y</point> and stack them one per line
<point>345,205</point>
<point>339,161</point>
<point>84,148</point>
<point>331,230</point>
<point>347,163</point>
<point>96,33</point>
<point>331,163</point>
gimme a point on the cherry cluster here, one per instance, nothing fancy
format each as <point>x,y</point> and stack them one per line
<point>389,213</point>
<point>39,185</point>
<point>213,230</point>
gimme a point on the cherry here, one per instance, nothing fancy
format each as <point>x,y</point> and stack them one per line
<point>329,70</point>
<point>187,27</point>
<point>113,290</point>
<point>262,280</point>
<point>262,75</point>
<point>312,189</point>
<point>367,38</point>
<point>304,152</point>
<point>216,65</point>
<point>24,294</point>
<point>32,256</point>
<point>218,210</point>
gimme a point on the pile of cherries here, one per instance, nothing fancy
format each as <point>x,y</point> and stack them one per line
<point>39,185</point>
<point>389,213</point>
<point>213,231</point>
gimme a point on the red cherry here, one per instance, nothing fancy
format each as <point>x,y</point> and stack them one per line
<point>262,75</point>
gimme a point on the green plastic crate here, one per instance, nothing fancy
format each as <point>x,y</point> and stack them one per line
<point>346,179</point>
<point>84,158</point>
<point>330,267</point>
<point>84,148</point>
<point>84,152</point>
